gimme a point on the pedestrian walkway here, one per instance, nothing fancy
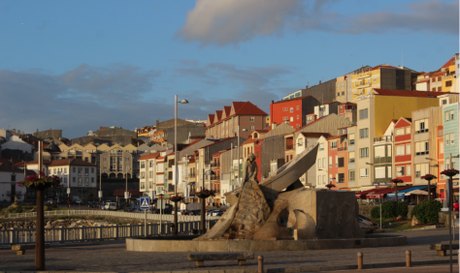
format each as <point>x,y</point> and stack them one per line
<point>113,257</point>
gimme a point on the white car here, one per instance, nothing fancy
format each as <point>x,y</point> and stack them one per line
<point>78,202</point>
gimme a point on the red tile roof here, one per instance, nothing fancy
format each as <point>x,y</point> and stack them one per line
<point>227,110</point>
<point>449,63</point>
<point>149,156</point>
<point>248,108</point>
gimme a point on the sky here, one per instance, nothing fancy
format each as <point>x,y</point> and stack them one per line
<point>79,65</point>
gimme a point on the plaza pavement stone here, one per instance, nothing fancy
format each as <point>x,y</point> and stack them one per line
<point>113,257</point>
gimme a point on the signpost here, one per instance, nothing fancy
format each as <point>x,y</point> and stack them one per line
<point>145,205</point>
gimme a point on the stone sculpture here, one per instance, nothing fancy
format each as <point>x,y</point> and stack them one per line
<point>280,205</point>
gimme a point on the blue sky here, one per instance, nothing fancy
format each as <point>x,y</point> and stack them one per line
<point>79,65</point>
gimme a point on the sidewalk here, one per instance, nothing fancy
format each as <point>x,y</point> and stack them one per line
<point>113,257</point>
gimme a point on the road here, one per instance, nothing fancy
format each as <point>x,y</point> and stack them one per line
<point>112,257</point>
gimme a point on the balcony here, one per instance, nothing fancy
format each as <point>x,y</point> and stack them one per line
<point>342,148</point>
<point>383,139</point>
<point>364,75</point>
<point>379,160</point>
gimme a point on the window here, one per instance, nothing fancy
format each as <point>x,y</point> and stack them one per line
<point>298,117</point>
<point>400,171</point>
<point>319,163</point>
<point>334,144</point>
<point>351,157</point>
<point>408,130</point>
<point>291,110</point>
<point>324,179</point>
<point>351,139</point>
<point>319,179</point>
<point>379,151</point>
<point>92,179</point>
<point>297,107</point>
<point>400,131</point>
<point>408,170</point>
<point>338,94</point>
<point>407,149</point>
<point>364,152</point>
<point>86,171</point>
<point>321,146</point>
<point>251,119</point>
<point>421,126</point>
<point>447,139</point>
<point>379,172</point>
<point>399,149</point>
<point>448,83</point>
<point>351,175</point>
<point>324,162</point>
<point>363,113</point>
<point>285,109</point>
<point>364,133</point>
<point>421,148</point>
<point>330,162</point>
<point>341,162</point>
<point>444,102</point>
<point>343,93</point>
<point>421,170</point>
<point>252,128</point>
<point>364,172</point>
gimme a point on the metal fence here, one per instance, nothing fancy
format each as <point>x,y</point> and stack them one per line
<point>186,224</point>
<point>133,215</point>
<point>82,234</point>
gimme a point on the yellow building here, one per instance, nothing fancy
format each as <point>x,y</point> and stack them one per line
<point>379,77</point>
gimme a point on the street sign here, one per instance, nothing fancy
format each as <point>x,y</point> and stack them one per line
<point>145,202</point>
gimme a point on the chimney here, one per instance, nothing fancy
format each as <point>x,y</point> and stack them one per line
<point>273,125</point>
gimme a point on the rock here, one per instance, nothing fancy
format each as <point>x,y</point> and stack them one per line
<point>415,221</point>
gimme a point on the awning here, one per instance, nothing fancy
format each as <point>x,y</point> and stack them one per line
<point>384,193</point>
<point>416,192</point>
<point>362,194</point>
<point>402,192</point>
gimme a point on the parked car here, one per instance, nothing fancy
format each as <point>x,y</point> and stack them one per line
<point>78,202</point>
<point>110,206</point>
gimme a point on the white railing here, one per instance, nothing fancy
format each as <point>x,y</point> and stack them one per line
<point>82,234</point>
<point>150,216</point>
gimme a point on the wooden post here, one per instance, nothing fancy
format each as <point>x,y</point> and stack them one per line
<point>360,260</point>
<point>40,230</point>
<point>203,216</point>
<point>260,263</point>
<point>408,259</point>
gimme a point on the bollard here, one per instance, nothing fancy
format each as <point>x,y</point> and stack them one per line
<point>260,261</point>
<point>408,259</point>
<point>360,260</point>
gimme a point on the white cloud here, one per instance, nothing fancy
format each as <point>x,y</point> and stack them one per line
<point>226,22</point>
<point>232,21</point>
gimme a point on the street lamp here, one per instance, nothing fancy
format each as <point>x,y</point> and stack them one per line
<point>126,191</point>
<point>203,200</point>
<point>239,161</point>
<point>100,175</point>
<point>176,161</point>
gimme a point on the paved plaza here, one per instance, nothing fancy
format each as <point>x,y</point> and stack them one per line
<point>113,257</point>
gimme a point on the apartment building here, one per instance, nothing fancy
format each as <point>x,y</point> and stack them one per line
<point>403,150</point>
<point>240,119</point>
<point>292,111</point>
<point>380,77</point>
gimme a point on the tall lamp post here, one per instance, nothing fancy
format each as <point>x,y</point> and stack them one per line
<point>239,161</point>
<point>126,191</point>
<point>203,194</point>
<point>176,161</point>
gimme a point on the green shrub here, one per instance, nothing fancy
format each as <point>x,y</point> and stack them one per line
<point>427,211</point>
<point>375,212</point>
<point>402,209</point>
<point>389,209</point>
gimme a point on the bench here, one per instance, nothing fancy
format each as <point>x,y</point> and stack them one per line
<point>21,249</point>
<point>201,257</point>
<point>442,247</point>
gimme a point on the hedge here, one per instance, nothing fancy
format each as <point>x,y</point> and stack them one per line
<point>427,211</point>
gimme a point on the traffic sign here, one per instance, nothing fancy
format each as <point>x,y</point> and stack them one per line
<point>145,202</point>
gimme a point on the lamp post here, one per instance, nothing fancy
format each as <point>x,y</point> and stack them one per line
<point>239,161</point>
<point>100,175</point>
<point>395,182</point>
<point>176,161</point>
<point>126,191</point>
<point>203,200</point>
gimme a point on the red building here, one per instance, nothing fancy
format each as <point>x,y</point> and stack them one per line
<point>292,111</point>
<point>402,152</point>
